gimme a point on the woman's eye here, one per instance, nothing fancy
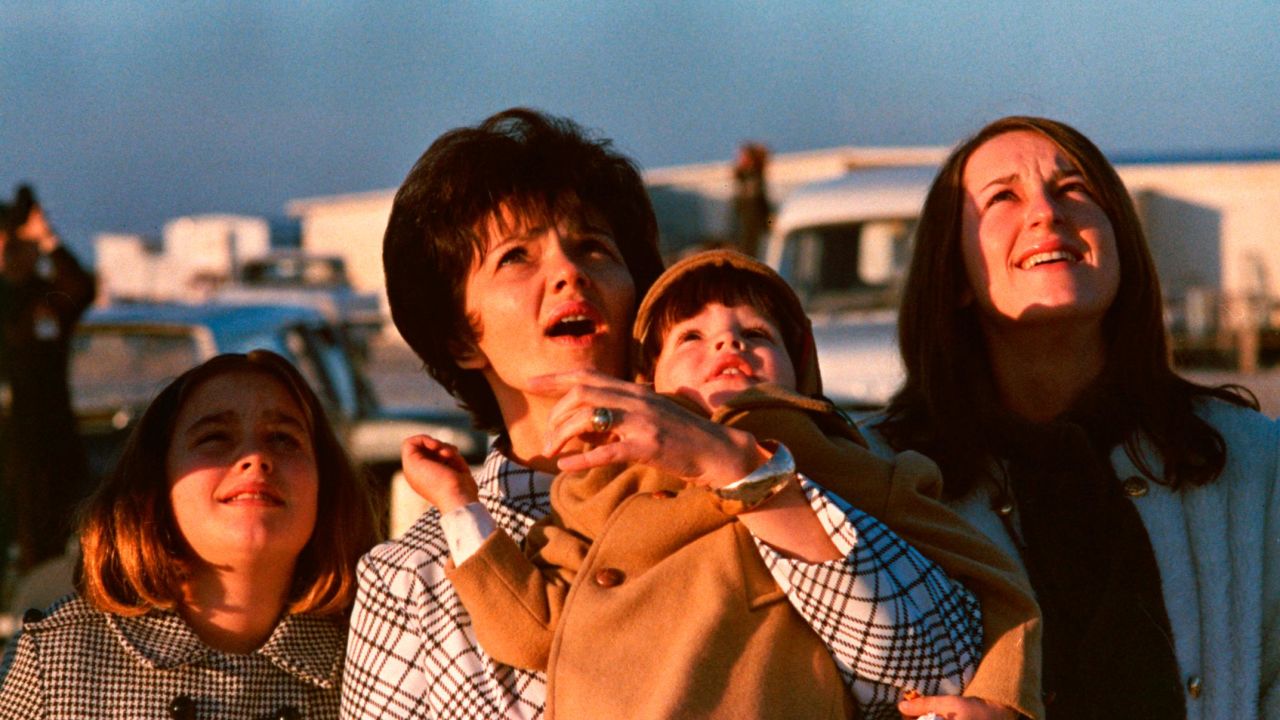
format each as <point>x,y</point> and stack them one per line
<point>1076,187</point>
<point>599,246</point>
<point>512,255</point>
<point>1001,196</point>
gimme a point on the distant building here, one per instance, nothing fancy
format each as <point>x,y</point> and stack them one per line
<point>692,202</point>
<point>195,255</point>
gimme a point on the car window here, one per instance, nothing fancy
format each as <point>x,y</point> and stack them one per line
<point>121,366</point>
<point>853,265</point>
<point>303,356</point>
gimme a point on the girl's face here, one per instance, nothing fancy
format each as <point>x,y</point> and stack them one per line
<point>1036,244</point>
<point>242,472</point>
<point>548,296</point>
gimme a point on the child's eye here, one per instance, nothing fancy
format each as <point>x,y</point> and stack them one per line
<point>758,333</point>
<point>211,437</point>
<point>688,336</point>
<point>285,440</point>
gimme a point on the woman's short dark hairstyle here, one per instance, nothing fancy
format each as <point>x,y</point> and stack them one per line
<point>134,558</point>
<point>943,348</point>
<point>520,160</point>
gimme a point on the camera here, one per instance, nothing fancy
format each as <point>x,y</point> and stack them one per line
<point>23,201</point>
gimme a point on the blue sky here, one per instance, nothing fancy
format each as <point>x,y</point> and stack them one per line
<point>125,114</point>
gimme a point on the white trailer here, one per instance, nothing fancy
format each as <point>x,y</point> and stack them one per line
<point>1214,230</point>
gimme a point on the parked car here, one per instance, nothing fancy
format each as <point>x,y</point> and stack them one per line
<point>298,277</point>
<point>844,245</point>
<point>123,355</point>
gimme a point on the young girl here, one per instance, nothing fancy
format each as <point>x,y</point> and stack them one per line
<point>205,589</point>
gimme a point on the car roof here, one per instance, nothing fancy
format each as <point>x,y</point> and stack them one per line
<point>861,194</point>
<point>228,323</point>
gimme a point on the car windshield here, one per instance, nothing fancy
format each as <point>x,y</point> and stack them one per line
<point>848,265</point>
<point>113,367</point>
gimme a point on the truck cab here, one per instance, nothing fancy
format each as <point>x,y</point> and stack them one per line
<point>844,245</point>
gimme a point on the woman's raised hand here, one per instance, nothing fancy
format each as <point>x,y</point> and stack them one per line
<point>438,473</point>
<point>645,428</point>
<point>954,707</point>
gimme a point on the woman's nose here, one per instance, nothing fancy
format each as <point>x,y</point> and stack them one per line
<point>1042,209</point>
<point>564,270</point>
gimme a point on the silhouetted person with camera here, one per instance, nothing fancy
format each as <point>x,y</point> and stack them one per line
<point>43,292</point>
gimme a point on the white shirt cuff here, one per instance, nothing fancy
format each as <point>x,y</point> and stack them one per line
<point>465,529</point>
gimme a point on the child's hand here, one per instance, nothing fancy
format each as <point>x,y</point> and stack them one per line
<point>436,471</point>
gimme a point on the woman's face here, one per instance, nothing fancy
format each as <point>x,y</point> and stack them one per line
<point>548,296</point>
<point>1036,244</point>
<point>242,472</point>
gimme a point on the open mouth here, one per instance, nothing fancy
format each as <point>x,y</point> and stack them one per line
<point>733,367</point>
<point>574,326</point>
<point>1048,258</point>
<point>574,320</point>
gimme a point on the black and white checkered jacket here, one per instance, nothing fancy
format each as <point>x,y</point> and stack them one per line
<point>79,662</point>
<point>890,617</point>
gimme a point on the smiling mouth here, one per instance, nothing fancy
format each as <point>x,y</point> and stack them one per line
<point>256,498</point>
<point>1048,258</point>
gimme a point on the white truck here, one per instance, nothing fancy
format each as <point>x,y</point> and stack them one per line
<point>1214,228</point>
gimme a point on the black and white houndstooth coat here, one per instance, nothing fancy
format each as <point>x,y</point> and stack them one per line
<point>79,662</point>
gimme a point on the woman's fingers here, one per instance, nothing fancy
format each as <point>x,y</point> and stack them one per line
<point>579,422</point>
<point>953,707</point>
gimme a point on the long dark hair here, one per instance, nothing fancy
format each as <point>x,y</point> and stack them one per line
<point>948,376</point>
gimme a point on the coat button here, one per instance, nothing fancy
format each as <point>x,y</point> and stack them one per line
<point>288,712</point>
<point>1134,486</point>
<point>1194,686</point>
<point>182,708</point>
<point>609,577</point>
<point>663,494</point>
<point>32,615</point>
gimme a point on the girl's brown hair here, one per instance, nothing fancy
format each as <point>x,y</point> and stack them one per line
<point>134,557</point>
<point>948,378</point>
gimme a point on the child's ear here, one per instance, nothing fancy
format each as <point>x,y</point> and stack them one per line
<point>467,355</point>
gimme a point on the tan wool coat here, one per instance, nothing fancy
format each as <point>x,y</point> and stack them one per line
<point>676,614</point>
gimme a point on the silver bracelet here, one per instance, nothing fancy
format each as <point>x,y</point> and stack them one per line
<point>761,485</point>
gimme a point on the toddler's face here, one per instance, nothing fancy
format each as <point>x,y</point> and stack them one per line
<point>720,352</point>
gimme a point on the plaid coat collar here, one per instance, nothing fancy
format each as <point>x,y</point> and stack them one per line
<point>309,648</point>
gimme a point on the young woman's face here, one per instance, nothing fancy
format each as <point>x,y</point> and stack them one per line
<point>548,296</point>
<point>720,352</point>
<point>1036,244</point>
<point>242,472</point>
